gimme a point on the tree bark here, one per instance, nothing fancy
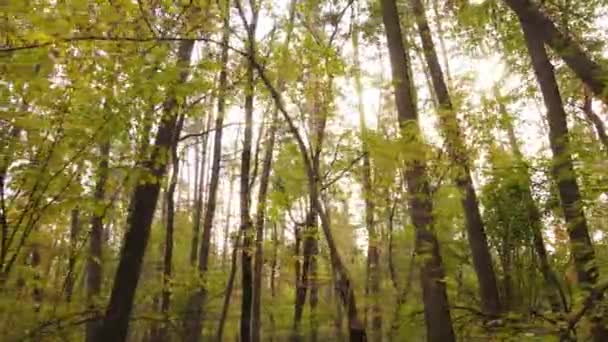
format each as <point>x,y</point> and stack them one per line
<point>273,276</point>
<point>228,215</point>
<point>456,149</point>
<point>74,233</point>
<point>563,168</point>
<point>436,306</point>
<point>94,272</point>
<point>236,240</point>
<point>261,207</point>
<point>115,324</point>
<point>229,287</point>
<point>163,332</point>
<point>37,291</point>
<point>598,123</point>
<point>246,226</point>
<point>555,294</point>
<point>194,308</point>
<point>590,72</point>
<point>200,197</point>
<point>259,228</point>
<point>344,283</point>
<point>308,234</point>
<point>373,245</point>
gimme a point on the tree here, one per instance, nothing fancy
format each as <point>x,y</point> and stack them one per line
<point>563,168</point>
<point>456,150</point>
<point>373,249</point>
<point>592,73</point>
<point>436,306</point>
<point>194,311</point>
<point>143,202</point>
<point>343,208</point>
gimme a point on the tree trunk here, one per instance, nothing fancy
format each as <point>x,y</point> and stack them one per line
<point>303,283</point>
<point>229,287</point>
<point>506,260</point>
<point>115,324</point>
<point>37,292</point>
<point>555,294</point>
<point>194,308</point>
<point>228,216</point>
<point>563,168</point>
<point>373,245</point>
<point>74,233</point>
<point>390,222</point>
<point>456,149</point>
<point>94,272</point>
<point>345,286</point>
<point>261,208</point>
<point>441,36</point>
<point>200,197</point>
<point>592,73</point>
<point>259,228</point>
<point>597,122</point>
<point>163,332</point>
<point>236,240</point>
<point>273,277</point>
<point>436,306</point>
<point>246,226</point>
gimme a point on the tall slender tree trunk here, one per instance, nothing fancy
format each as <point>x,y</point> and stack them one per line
<point>482,260</point>
<point>592,73</point>
<point>94,271</point>
<point>598,123</point>
<point>345,287</point>
<point>563,168</point>
<point>228,221</point>
<point>313,301</point>
<point>344,283</point>
<point>274,264</point>
<point>390,222</point>
<point>37,291</point>
<point>74,234</point>
<point>441,36</point>
<point>303,283</point>
<point>246,176</point>
<point>246,225</point>
<point>236,246</point>
<point>229,287</point>
<point>259,228</point>
<point>200,197</point>
<point>195,307</point>
<point>506,260</point>
<point>115,324</point>
<point>555,294</point>
<point>163,332</point>
<point>307,283</point>
<point>435,299</point>
<point>261,207</point>
<point>373,245</point>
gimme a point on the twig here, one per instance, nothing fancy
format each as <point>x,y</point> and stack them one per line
<point>339,176</point>
<point>203,133</point>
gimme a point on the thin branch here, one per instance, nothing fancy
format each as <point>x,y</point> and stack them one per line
<point>116,39</point>
<point>341,174</point>
<point>203,133</point>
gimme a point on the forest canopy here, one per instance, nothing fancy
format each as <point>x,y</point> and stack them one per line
<point>303,170</point>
